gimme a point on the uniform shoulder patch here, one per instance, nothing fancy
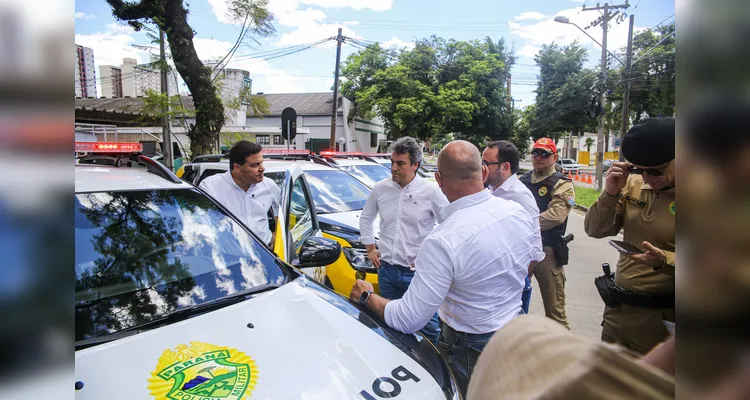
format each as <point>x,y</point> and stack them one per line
<point>571,201</point>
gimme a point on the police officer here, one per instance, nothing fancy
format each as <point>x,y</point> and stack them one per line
<point>555,196</point>
<point>639,199</point>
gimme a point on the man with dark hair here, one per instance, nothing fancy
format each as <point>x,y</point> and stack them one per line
<point>555,197</point>
<point>501,159</point>
<point>409,207</point>
<point>244,191</point>
<point>639,200</point>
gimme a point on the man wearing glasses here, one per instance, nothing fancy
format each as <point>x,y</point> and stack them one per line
<point>501,158</point>
<point>639,199</point>
<point>555,196</point>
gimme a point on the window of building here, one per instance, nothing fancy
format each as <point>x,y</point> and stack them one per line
<point>277,139</point>
<point>373,140</point>
<point>262,139</point>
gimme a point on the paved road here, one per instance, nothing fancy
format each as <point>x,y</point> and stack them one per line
<point>583,305</point>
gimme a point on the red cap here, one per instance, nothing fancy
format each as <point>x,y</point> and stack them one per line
<point>545,144</point>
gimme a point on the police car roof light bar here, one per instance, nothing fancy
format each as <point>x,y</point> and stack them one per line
<point>286,152</point>
<point>108,147</point>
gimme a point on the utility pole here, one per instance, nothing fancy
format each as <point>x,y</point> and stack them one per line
<point>626,79</point>
<point>166,137</point>
<point>602,88</point>
<point>335,107</point>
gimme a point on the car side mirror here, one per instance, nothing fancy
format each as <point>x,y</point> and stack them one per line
<point>317,252</point>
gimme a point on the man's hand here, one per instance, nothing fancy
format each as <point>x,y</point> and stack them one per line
<point>653,256</point>
<point>617,176</point>
<point>373,254</point>
<point>360,287</point>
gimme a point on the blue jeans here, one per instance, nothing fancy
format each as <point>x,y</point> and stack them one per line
<point>393,281</point>
<point>460,351</point>
<point>526,296</point>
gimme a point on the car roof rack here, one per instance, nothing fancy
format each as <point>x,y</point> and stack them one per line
<point>115,153</point>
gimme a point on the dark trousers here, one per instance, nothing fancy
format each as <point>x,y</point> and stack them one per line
<point>460,351</point>
<point>394,280</point>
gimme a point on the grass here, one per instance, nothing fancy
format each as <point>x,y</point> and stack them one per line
<point>586,196</point>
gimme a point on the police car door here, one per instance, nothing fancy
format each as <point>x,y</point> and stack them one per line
<point>297,220</point>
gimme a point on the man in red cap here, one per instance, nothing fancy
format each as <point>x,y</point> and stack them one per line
<point>555,196</point>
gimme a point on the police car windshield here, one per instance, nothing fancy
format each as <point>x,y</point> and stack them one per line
<point>142,255</point>
<point>369,174</point>
<point>336,191</point>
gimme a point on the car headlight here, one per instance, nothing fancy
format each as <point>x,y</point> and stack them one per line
<point>358,259</point>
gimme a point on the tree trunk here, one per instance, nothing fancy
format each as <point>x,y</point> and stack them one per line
<point>171,16</point>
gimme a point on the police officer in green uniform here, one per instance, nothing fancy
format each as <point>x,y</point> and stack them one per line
<point>639,200</point>
<point>555,196</point>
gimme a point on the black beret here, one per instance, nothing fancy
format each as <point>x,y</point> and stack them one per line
<point>650,142</point>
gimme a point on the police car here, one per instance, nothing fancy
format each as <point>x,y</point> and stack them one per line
<point>176,299</point>
<point>361,167</point>
<point>338,198</point>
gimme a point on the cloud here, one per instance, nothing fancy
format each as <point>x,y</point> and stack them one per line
<point>84,16</point>
<point>530,16</point>
<point>312,31</point>
<point>283,9</point>
<point>528,50</point>
<point>548,31</point>
<point>397,43</point>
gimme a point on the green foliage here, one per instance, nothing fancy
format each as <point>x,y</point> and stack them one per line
<point>155,105</point>
<point>565,91</point>
<point>439,87</point>
<point>589,142</point>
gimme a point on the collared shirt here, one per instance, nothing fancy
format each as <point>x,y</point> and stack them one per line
<point>514,190</point>
<point>250,207</point>
<point>406,217</point>
<point>472,267</point>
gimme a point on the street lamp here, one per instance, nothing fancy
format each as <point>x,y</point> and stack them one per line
<point>566,20</point>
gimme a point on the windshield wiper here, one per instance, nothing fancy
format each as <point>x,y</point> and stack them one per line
<point>178,315</point>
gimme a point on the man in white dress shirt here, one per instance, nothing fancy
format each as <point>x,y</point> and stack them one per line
<point>244,191</point>
<point>471,267</point>
<point>502,161</point>
<point>409,206</point>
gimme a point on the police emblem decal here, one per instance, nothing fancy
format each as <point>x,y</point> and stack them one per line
<point>571,201</point>
<point>673,208</point>
<point>202,370</point>
<point>542,190</point>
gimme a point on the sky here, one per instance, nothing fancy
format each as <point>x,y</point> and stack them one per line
<point>525,25</point>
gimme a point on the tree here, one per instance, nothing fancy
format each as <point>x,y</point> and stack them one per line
<point>589,143</point>
<point>171,17</point>
<point>438,87</point>
<point>565,91</point>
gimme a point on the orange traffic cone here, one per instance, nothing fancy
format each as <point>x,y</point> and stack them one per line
<point>589,180</point>
<point>578,176</point>
<point>570,176</point>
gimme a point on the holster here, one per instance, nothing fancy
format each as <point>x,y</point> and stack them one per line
<point>605,284</point>
<point>559,247</point>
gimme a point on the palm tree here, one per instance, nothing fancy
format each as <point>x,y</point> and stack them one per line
<point>589,143</point>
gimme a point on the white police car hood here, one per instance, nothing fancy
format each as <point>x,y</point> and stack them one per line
<point>288,343</point>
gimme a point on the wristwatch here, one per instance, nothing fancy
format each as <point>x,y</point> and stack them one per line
<point>364,297</point>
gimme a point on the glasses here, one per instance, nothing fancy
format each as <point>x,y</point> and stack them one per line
<point>649,171</point>
<point>540,153</point>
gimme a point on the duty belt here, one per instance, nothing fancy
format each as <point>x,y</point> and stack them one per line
<point>645,300</point>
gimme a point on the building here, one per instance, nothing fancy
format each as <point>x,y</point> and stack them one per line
<point>85,76</point>
<point>111,80</point>
<point>133,80</point>
<point>231,83</point>
<point>314,116</point>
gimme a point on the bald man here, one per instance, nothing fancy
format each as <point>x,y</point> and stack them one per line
<point>471,268</point>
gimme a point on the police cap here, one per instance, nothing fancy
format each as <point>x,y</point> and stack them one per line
<point>650,142</point>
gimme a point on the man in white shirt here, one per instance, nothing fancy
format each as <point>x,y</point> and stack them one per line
<point>471,267</point>
<point>244,191</point>
<point>501,159</point>
<point>409,206</point>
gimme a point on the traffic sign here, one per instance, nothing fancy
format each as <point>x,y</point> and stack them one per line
<point>288,124</point>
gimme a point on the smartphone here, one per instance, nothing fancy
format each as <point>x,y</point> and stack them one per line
<point>625,247</point>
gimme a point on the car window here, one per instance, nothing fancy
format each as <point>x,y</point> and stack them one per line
<point>140,255</point>
<point>300,220</point>
<point>336,191</point>
<point>369,174</point>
